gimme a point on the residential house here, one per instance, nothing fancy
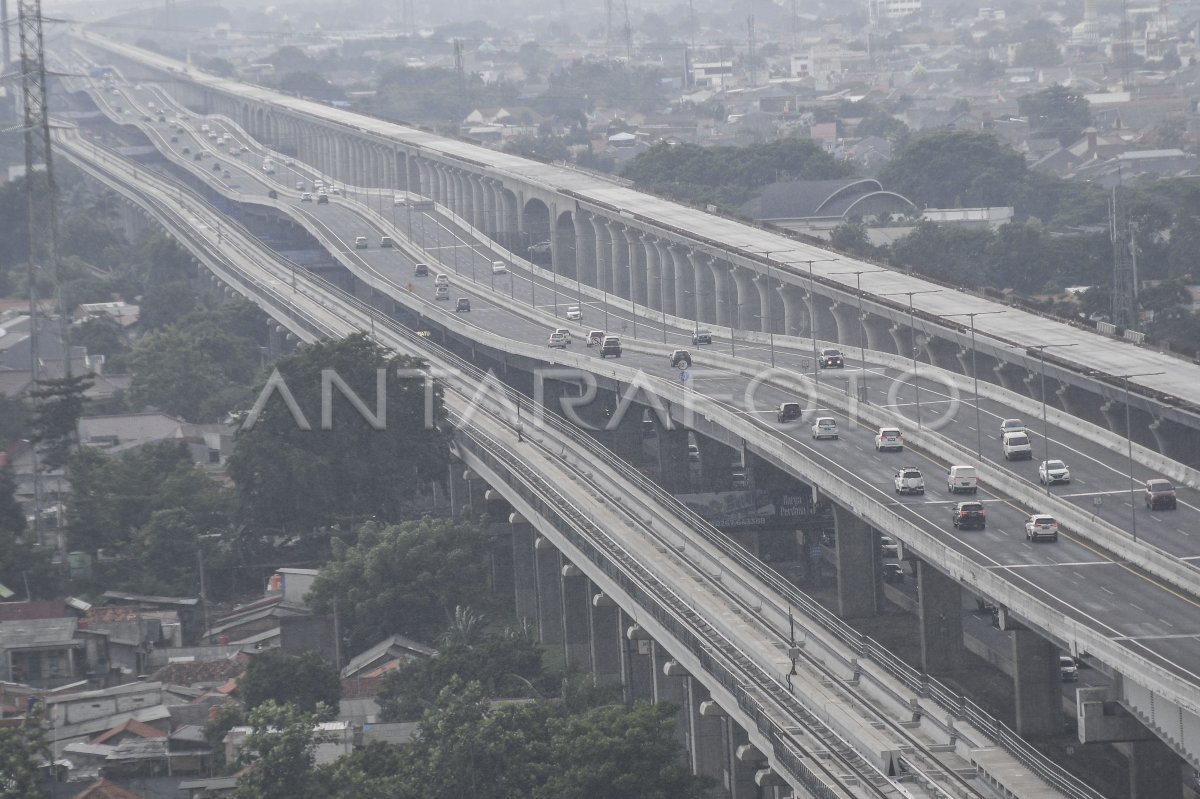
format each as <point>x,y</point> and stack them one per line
<point>43,652</point>
<point>187,610</point>
<point>336,739</point>
<point>394,649</point>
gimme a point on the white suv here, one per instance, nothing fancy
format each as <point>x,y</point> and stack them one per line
<point>889,438</point>
<point>909,480</point>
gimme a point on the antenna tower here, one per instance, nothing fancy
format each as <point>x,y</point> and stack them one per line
<point>750,49</point>
<point>628,32</point>
<point>1124,290</point>
<point>5,49</point>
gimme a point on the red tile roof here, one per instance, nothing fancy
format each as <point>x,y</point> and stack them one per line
<point>42,609</point>
<point>139,728</point>
<point>103,789</point>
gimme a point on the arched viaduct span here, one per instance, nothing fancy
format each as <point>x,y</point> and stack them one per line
<point>666,257</point>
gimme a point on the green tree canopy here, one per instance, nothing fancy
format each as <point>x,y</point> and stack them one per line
<point>303,681</point>
<point>949,169</point>
<point>300,479</point>
<point>729,175</point>
<point>58,403</point>
<point>166,304</point>
<point>280,753</point>
<point>1056,111</point>
<point>404,579</point>
<point>22,749</point>
<point>101,335</point>
<point>504,665</point>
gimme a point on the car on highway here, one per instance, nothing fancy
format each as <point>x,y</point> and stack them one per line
<point>386,241</point>
<point>360,242</point>
<point>681,359</point>
<point>831,359</point>
<point>788,412</point>
<point>322,199</point>
<point>1011,426</point>
<point>701,336</point>
<point>226,175</point>
<point>441,293</point>
<point>888,547</point>
<point>420,270</point>
<point>574,313</point>
<point>969,516</point>
<point>1068,669</point>
<point>463,305</point>
<point>1041,526</point>
<point>889,438</point>
<point>197,156</point>
<point>1053,471</point>
<point>558,341</point>
<point>216,166</point>
<point>1160,495</point>
<point>274,195</point>
<point>1016,447</point>
<point>825,427</point>
<point>892,572</point>
<point>610,346</point>
<point>299,185</point>
<point>442,279</point>
<point>693,453</point>
<point>174,140</point>
<point>962,480</point>
<point>909,480</point>
<point>186,150</point>
<point>564,333</point>
<point>541,248</point>
<point>499,268</point>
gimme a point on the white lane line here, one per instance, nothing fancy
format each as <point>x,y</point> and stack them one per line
<point>1181,531</point>
<point>1164,621</point>
<point>1135,607</point>
<point>1107,590</point>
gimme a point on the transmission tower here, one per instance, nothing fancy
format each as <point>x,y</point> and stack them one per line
<point>628,33</point>
<point>1124,290</point>
<point>5,49</point>
<point>750,50</point>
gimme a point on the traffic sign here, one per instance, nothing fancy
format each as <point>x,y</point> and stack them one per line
<point>683,376</point>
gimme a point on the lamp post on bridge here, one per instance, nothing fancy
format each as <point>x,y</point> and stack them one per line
<point>812,314</point>
<point>975,374</point>
<point>912,339</point>
<point>1041,348</point>
<point>862,322</point>
<point>1129,439</point>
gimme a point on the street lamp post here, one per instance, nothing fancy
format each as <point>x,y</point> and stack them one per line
<point>1129,440</point>
<point>975,375</point>
<point>1041,348</point>
<point>862,322</point>
<point>912,340</point>
<point>812,316</point>
<point>662,300</point>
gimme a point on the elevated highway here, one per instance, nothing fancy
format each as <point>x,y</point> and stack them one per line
<point>681,261</point>
<point>811,712</point>
<point>985,564</point>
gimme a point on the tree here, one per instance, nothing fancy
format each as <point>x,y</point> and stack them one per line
<point>851,237</point>
<point>1056,111</point>
<point>1037,53</point>
<point>58,404</point>
<point>14,420</point>
<point>112,498</point>
<point>221,720</point>
<point>404,579</point>
<point>101,335</point>
<point>942,170</point>
<point>22,749</point>
<point>219,66</point>
<point>280,753</point>
<point>173,373</point>
<point>310,83</point>
<point>505,666</point>
<point>299,479</point>
<point>303,681</point>
<point>1164,296</point>
<point>549,148</point>
<point>166,304</point>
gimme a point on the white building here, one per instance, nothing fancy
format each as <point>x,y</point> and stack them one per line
<point>892,9</point>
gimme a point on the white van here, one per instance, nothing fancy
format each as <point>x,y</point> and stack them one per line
<point>1016,447</point>
<point>442,280</point>
<point>499,268</point>
<point>962,480</point>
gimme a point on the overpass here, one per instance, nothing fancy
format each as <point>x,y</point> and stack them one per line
<point>675,260</point>
<point>775,693</point>
<point>929,543</point>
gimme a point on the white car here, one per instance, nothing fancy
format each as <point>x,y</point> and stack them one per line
<point>909,480</point>
<point>558,340</point>
<point>825,427</point>
<point>889,438</point>
<point>1041,525</point>
<point>1068,668</point>
<point>1011,426</point>
<point>562,331</point>
<point>499,268</point>
<point>442,280</point>
<point>1051,472</point>
<point>574,313</point>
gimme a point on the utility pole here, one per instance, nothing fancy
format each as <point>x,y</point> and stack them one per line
<point>750,49</point>
<point>1124,291</point>
<point>608,27</point>
<point>628,33</point>
<point>5,47</point>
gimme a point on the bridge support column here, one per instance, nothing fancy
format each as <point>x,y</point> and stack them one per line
<point>724,291</point>
<point>674,469</point>
<point>524,567</point>
<point>857,554</point>
<point>635,251</point>
<point>746,311</point>
<point>1154,771</point>
<point>745,760</point>
<point>795,313</point>
<point>900,340</point>
<point>620,260</point>
<point>706,290</point>
<point>585,249</point>
<point>549,592</point>
<point>878,337</point>
<point>1114,416</point>
<point>685,283</point>
<point>652,257</point>
<point>666,266</point>
<point>706,732</point>
<point>605,637</point>
<point>575,606</point>
<point>715,460</point>
<point>670,685</point>
<point>1011,377</point>
<point>940,612</point>
<point>845,318</point>
<point>1038,684</point>
<point>637,669</point>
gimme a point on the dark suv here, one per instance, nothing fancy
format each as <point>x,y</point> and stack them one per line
<point>701,336</point>
<point>831,359</point>
<point>681,359</point>
<point>1160,494</point>
<point>969,515</point>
